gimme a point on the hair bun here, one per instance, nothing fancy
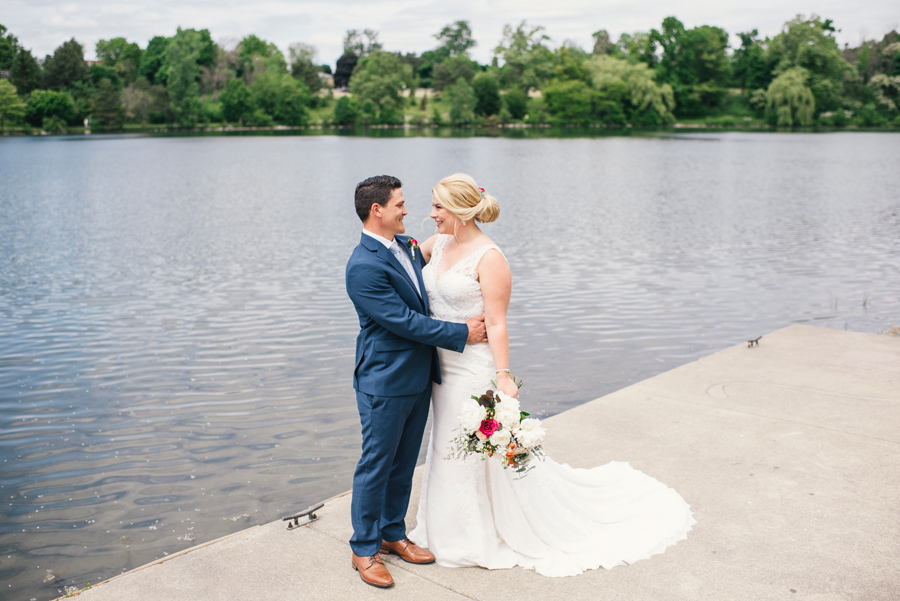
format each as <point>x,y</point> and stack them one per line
<point>488,209</point>
<point>459,194</point>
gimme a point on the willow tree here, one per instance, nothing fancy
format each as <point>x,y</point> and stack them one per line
<point>887,91</point>
<point>650,102</point>
<point>810,44</point>
<point>789,101</point>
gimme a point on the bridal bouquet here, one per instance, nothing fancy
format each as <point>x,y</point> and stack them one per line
<point>493,426</point>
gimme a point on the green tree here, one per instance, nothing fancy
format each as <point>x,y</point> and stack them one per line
<point>109,110</point>
<point>42,104</point>
<point>96,73</point>
<point>346,111</point>
<point>487,93</point>
<point>211,110</point>
<point>863,65</point>
<point>647,102</point>
<point>11,106</point>
<point>152,60</point>
<point>361,43</point>
<point>237,103</point>
<point>66,67</point>
<point>636,48</point>
<point>303,66</point>
<point>886,90</point>
<point>603,44</point>
<point>810,45</point>
<point>182,70</point>
<point>889,55</point>
<point>790,102</point>
<point>9,46</point>
<point>255,56</point>
<point>379,79</point>
<point>569,101</point>
<point>516,102</point>
<point>446,73</point>
<point>121,55</point>
<point>25,72</point>
<point>695,63</point>
<point>282,97</point>
<point>214,77</point>
<point>527,62</point>
<point>138,100</point>
<point>608,105</point>
<point>455,39</point>
<point>570,63</point>
<point>462,102</point>
<point>749,67</point>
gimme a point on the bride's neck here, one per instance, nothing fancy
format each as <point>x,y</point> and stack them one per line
<point>468,234</point>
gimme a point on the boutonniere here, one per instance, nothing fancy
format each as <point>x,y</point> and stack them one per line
<point>413,247</point>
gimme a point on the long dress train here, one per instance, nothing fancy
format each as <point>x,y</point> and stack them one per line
<point>556,520</point>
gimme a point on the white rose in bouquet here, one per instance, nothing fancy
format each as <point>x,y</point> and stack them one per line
<point>501,438</point>
<point>471,415</point>
<point>507,411</point>
<point>530,433</point>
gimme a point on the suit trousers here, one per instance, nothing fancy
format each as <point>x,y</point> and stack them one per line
<point>392,430</point>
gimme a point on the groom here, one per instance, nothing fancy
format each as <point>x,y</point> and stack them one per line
<point>396,363</point>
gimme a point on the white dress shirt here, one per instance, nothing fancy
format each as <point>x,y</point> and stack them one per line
<point>402,257</point>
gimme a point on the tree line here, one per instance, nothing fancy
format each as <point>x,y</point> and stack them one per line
<point>799,77</point>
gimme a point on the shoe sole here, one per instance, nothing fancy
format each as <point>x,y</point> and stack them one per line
<point>384,551</point>
<point>367,582</point>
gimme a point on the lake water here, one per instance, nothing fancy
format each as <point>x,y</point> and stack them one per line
<point>176,342</point>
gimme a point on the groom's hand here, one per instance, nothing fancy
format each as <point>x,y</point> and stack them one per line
<point>477,333</point>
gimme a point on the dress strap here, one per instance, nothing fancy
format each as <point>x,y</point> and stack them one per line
<point>437,251</point>
<point>470,263</point>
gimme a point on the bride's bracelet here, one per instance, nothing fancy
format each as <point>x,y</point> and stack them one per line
<point>502,371</point>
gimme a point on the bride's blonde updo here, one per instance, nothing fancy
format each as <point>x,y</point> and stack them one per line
<point>459,194</point>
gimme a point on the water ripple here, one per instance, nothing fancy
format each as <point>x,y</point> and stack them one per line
<point>175,353</point>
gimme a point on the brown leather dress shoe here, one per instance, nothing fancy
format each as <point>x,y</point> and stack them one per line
<point>407,550</point>
<point>372,571</point>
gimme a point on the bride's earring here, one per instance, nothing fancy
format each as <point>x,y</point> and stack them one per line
<point>463,221</point>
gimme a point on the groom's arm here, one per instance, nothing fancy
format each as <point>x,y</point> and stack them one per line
<point>371,291</point>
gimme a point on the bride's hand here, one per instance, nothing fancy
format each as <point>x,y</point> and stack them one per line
<point>506,385</point>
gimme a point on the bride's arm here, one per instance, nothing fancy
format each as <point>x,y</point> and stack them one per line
<point>496,287</point>
<point>426,248</point>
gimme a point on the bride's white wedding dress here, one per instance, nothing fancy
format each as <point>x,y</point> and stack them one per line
<point>556,520</point>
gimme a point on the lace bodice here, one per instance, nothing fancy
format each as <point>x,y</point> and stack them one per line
<point>454,295</point>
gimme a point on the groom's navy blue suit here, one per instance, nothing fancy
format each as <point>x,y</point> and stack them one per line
<point>396,363</point>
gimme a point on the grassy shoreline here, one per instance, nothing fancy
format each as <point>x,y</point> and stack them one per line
<point>491,129</point>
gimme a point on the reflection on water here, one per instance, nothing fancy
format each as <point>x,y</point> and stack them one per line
<point>176,343</point>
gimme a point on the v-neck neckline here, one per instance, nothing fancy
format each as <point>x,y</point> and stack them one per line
<point>439,273</point>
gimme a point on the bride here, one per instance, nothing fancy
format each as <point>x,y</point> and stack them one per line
<point>556,520</point>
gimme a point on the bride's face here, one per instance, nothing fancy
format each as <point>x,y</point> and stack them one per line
<point>443,218</point>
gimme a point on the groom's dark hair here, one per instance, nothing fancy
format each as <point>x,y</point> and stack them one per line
<point>374,190</point>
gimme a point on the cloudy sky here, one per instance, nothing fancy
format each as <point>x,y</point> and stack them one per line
<point>409,25</point>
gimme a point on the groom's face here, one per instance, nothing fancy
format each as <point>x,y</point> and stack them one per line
<point>393,212</point>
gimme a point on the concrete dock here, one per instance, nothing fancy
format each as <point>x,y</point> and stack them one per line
<point>788,453</point>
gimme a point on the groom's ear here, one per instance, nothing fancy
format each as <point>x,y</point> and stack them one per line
<point>375,210</point>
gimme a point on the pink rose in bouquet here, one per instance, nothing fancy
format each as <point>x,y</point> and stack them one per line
<point>488,427</point>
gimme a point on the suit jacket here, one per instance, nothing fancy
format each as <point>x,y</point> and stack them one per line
<point>395,352</point>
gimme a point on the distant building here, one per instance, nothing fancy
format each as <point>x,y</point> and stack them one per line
<point>4,74</point>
